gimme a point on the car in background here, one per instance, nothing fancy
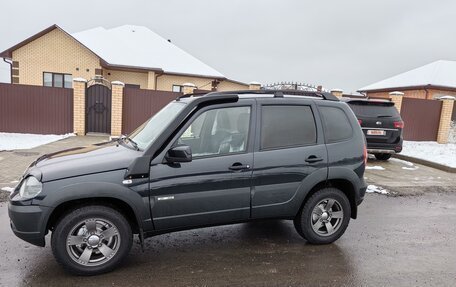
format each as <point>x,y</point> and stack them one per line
<point>382,126</point>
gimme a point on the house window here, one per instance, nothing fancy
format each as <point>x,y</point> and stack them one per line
<point>177,88</point>
<point>57,80</point>
<point>132,86</point>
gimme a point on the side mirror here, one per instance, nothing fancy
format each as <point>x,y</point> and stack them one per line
<point>182,153</point>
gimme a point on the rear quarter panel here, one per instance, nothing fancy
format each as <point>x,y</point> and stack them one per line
<point>345,157</point>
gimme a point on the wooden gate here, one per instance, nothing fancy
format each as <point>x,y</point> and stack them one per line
<point>421,118</point>
<point>98,107</point>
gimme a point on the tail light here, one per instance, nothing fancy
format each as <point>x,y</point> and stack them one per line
<point>360,121</point>
<point>365,154</point>
<point>399,125</point>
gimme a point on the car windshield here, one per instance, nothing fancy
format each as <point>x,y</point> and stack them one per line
<point>152,128</point>
<point>372,110</point>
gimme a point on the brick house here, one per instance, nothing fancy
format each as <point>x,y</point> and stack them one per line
<point>430,81</point>
<point>131,54</point>
<point>425,98</point>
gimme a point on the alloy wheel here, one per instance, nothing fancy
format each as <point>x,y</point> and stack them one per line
<point>327,217</point>
<point>93,242</point>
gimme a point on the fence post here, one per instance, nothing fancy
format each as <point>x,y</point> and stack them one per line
<point>79,97</point>
<point>337,92</point>
<point>254,86</point>
<point>445,119</point>
<point>396,98</point>
<point>188,88</point>
<point>117,106</point>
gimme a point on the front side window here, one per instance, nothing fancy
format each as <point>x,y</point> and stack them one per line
<point>218,132</point>
<point>57,80</point>
<point>287,126</point>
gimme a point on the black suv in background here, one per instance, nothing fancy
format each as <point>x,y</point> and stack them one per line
<point>382,126</point>
<point>216,159</point>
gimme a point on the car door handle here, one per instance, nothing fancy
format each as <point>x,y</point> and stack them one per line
<point>312,159</point>
<point>239,166</point>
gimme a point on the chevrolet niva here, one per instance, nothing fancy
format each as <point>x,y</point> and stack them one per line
<point>220,158</point>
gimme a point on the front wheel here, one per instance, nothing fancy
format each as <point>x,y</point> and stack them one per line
<point>382,156</point>
<point>91,240</point>
<point>324,216</point>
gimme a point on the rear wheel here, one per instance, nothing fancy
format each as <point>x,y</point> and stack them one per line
<point>382,156</point>
<point>324,217</point>
<point>91,240</point>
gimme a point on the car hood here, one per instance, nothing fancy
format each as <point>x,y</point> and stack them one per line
<point>83,160</point>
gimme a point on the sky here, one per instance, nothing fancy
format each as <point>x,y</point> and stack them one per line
<point>338,44</point>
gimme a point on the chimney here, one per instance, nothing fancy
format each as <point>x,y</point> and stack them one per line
<point>337,92</point>
<point>188,88</point>
<point>254,86</point>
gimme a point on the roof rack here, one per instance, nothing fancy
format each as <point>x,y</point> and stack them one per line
<point>276,93</point>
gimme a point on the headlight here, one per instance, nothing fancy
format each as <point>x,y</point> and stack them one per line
<point>30,188</point>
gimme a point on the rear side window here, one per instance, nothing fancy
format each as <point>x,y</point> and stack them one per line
<point>374,110</point>
<point>337,124</point>
<point>285,126</point>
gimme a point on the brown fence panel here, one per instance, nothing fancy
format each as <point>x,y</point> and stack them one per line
<point>35,109</point>
<point>421,118</point>
<point>139,105</point>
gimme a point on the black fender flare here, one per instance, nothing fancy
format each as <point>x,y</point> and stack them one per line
<point>88,190</point>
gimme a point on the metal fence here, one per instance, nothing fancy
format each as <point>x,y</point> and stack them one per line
<point>421,118</point>
<point>35,109</point>
<point>139,105</point>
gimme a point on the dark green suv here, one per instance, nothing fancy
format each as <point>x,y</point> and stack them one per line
<point>216,159</point>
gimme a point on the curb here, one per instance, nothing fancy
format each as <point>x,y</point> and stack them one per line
<point>426,163</point>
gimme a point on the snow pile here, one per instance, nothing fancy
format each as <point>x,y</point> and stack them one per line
<point>376,189</point>
<point>375,167</point>
<point>452,136</point>
<point>13,141</point>
<point>444,154</point>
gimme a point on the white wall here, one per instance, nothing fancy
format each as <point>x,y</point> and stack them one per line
<point>4,72</point>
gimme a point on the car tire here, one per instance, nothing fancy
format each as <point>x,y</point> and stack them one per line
<point>91,240</point>
<point>382,156</point>
<point>317,222</point>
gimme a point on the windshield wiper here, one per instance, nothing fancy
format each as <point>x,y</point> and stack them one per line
<point>126,138</point>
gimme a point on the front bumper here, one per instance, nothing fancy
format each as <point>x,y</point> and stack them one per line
<point>28,222</point>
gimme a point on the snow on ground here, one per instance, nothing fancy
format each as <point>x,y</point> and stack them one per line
<point>375,167</point>
<point>12,141</point>
<point>7,189</point>
<point>431,151</point>
<point>376,189</point>
<point>408,165</point>
<point>410,168</point>
<point>452,136</point>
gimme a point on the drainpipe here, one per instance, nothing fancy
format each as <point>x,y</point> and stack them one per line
<point>11,69</point>
<point>156,79</point>
<point>427,92</point>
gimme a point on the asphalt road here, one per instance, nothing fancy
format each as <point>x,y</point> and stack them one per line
<point>396,241</point>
